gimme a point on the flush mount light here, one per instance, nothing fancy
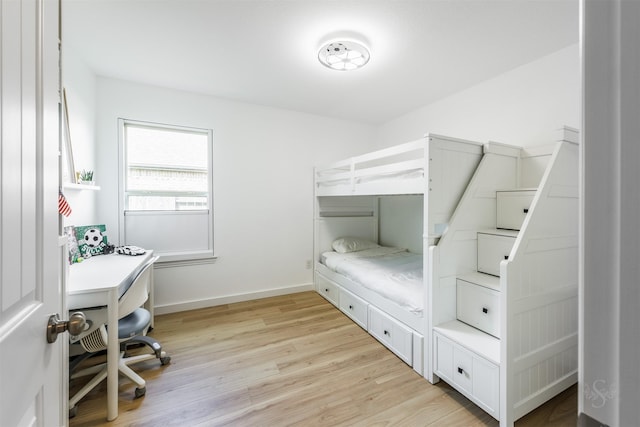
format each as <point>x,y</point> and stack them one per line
<point>343,55</point>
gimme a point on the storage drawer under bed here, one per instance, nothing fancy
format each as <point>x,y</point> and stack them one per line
<point>394,335</point>
<point>328,290</point>
<point>354,307</point>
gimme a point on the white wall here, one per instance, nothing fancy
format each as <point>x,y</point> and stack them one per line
<point>80,84</point>
<point>263,187</point>
<point>523,106</point>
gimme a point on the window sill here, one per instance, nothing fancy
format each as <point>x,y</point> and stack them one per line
<point>72,186</point>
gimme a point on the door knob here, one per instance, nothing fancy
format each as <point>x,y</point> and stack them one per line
<point>75,325</point>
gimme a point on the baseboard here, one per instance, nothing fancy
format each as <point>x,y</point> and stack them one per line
<point>230,299</point>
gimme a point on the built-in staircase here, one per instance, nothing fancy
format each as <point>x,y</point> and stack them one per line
<point>503,282</point>
<point>478,293</point>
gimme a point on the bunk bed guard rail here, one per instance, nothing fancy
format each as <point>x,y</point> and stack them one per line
<point>404,164</point>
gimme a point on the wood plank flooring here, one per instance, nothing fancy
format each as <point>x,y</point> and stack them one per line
<point>284,361</point>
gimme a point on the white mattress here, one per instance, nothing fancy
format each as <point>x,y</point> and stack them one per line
<point>395,176</point>
<point>394,273</point>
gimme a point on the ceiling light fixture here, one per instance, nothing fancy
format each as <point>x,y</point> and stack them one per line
<point>343,55</point>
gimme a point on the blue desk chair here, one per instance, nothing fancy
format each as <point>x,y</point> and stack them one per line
<point>132,328</point>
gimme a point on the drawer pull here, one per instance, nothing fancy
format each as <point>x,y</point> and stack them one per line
<point>350,307</point>
<point>485,310</point>
<point>506,257</point>
<point>386,332</point>
<point>326,290</point>
<point>525,210</point>
<point>460,370</point>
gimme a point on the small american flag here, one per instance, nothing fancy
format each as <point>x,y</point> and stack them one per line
<point>63,205</point>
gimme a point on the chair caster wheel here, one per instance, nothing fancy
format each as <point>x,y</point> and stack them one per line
<point>165,360</point>
<point>139,392</point>
<point>73,412</point>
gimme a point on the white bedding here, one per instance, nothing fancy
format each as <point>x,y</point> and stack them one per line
<point>402,175</point>
<point>393,273</point>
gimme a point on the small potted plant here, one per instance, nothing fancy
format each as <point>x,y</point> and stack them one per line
<point>85,177</point>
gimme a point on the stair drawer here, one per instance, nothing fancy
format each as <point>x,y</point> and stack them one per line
<point>492,249</point>
<point>512,208</point>
<point>394,335</point>
<point>354,307</point>
<point>470,374</point>
<point>478,306</point>
<point>327,289</point>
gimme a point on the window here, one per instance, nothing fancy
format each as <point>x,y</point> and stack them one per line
<point>166,189</point>
<point>167,169</point>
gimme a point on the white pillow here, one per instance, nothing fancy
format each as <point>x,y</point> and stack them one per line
<point>345,245</point>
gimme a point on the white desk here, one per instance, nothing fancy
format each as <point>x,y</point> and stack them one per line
<point>100,281</point>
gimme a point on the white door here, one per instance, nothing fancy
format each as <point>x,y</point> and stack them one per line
<point>32,390</point>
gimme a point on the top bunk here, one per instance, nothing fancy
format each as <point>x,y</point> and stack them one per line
<point>408,168</point>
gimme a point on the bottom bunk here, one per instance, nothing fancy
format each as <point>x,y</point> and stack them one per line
<point>380,289</point>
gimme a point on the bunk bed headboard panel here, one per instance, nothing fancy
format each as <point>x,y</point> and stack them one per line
<point>340,216</point>
<point>401,222</point>
<point>330,228</point>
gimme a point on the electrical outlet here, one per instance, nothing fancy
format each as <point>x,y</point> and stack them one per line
<point>308,264</point>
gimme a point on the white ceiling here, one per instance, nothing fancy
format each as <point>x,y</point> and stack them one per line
<point>265,51</point>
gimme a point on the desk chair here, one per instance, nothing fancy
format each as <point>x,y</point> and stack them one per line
<point>132,328</point>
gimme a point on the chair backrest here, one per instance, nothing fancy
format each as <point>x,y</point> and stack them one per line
<point>95,338</point>
<point>138,293</point>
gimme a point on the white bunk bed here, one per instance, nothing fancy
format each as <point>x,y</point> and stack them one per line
<point>499,241</point>
<point>434,171</point>
<point>503,281</point>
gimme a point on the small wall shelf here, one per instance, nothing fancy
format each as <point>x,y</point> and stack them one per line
<point>71,186</point>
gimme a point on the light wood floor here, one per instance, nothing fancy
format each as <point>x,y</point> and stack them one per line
<point>290,360</point>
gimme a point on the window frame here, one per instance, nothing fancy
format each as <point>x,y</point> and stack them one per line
<point>189,255</point>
